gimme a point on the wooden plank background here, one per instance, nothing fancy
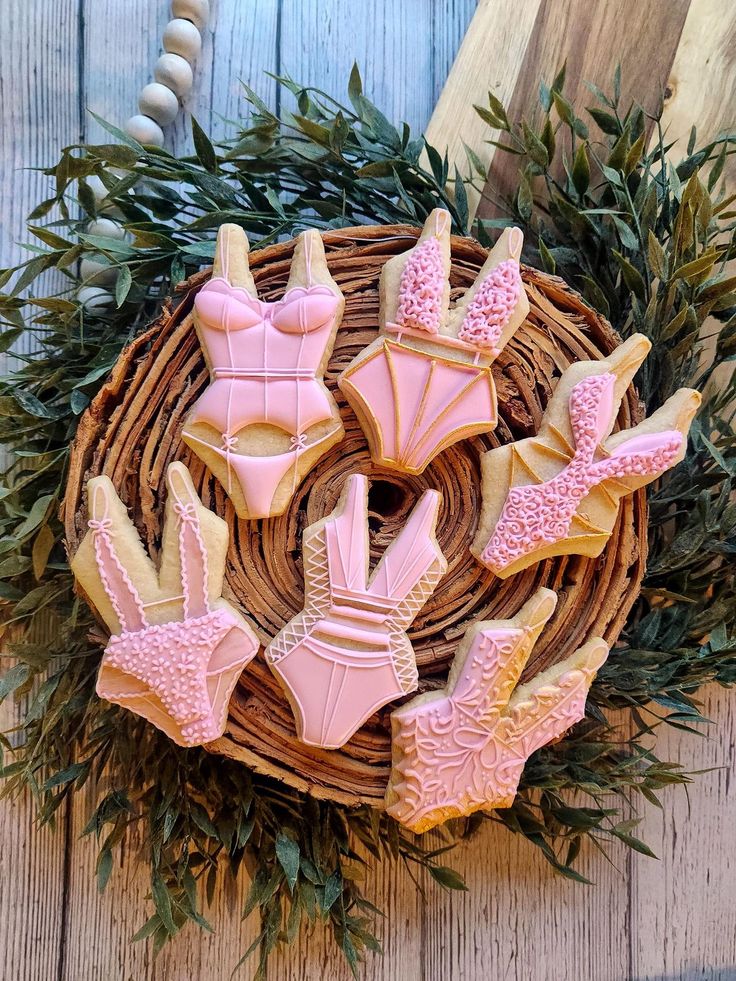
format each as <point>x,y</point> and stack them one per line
<point>673,919</point>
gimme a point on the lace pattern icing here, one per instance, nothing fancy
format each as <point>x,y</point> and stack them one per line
<point>491,308</point>
<point>538,514</point>
<point>465,749</point>
<point>421,288</point>
<point>171,660</point>
<point>178,674</point>
<point>428,383</point>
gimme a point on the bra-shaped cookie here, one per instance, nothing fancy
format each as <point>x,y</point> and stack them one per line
<point>426,381</point>
<point>463,748</point>
<point>558,493</point>
<point>266,416</point>
<point>177,648</point>
<point>347,653</point>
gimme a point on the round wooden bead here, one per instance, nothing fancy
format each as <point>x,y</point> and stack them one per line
<point>182,37</point>
<point>197,11</point>
<point>106,229</point>
<point>99,191</point>
<point>175,73</point>
<point>158,102</point>
<point>97,273</point>
<point>93,298</point>
<point>145,130</point>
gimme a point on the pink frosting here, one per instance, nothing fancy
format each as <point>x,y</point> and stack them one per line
<point>492,305</point>
<point>264,360</point>
<point>347,653</point>
<point>417,404</point>
<point>535,515</point>
<point>414,402</point>
<point>466,749</point>
<point>421,288</point>
<point>171,660</point>
<point>179,675</point>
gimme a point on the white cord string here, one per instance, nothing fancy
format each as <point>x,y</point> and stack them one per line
<point>159,105</point>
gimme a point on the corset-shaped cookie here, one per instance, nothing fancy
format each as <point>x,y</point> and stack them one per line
<point>347,653</point>
<point>177,648</point>
<point>463,748</point>
<point>266,415</point>
<point>426,382</point>
<point>558,493</point>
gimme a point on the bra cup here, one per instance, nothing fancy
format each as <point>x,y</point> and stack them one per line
<point>221,306</point>
<point>306,312</point>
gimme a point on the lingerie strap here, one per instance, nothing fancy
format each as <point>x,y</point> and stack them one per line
<point>117,584</point>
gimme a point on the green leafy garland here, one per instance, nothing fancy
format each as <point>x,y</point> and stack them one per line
<point>645,241</point>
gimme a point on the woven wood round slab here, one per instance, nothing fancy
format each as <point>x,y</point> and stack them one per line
<point>132,431</point>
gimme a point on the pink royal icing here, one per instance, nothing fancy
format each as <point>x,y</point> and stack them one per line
<point>347,654</point>
<point>420,404</point>
<point>430,385</point>
<point>464,749</point>
<point>492,306</point>
<point>538,514</point>
<point>180,674</point>
<point>265,358</point>
<point>173,661</point>
<point>421,289</point>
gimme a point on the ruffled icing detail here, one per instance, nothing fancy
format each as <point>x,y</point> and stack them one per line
<point>189,665</point>
<point>421,288</point>
<point>535,515</point>
<point>171,660</point>
<point>492,305</point>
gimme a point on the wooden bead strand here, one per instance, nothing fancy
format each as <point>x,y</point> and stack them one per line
<point>158,105</point>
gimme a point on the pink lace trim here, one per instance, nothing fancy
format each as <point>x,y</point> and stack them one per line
<point>535,515</point>
<point>171,659</point>
<point>123,596</point>
<point>492,306</point>
<point>421,288</point>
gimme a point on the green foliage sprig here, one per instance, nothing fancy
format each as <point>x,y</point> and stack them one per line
<point>646,241</point>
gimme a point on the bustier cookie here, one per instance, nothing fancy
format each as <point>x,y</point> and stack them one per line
<point>347,653</point>
<point>177,647</point>
<point>426,381</point>
<point>558,492</point>
<point>266,416</point>
<point>463,748</point>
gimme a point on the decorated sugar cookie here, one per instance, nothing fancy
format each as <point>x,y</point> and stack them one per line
<point>558,493</point>
<point>177,647</point>
<point>266,416</point>
<point>463,748</point>
<point>347,653</point>
<point>426,381</point>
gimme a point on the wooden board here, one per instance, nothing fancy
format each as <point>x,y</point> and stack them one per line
<point>505,28</point>
<point>642,920</point>
<point>533,41</point>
